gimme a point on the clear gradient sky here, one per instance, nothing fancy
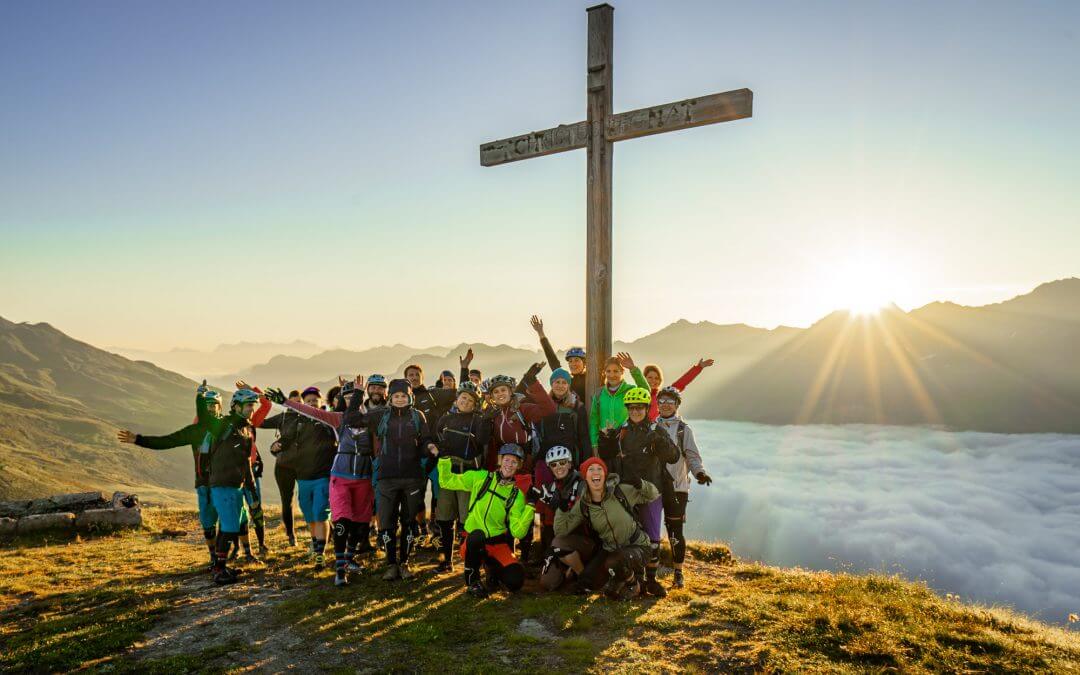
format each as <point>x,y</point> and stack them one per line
<point>190,173</point>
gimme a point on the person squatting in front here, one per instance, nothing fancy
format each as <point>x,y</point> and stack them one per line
<point>641,450</point>
<point>564,556</point>
<point>498,513</point>
<point>230,474</point>
<point>403,440</point>
<point>462,437</point>
<point>607,508</point>
<point>688,464</point>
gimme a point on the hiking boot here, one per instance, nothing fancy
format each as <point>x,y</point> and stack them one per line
<point>405,572</point>
<point>340,579</point>
<point>477,590</point>
<point>678,581</point>
<point>653,588</point>
<point>292,541</point>
<point>444,567</point>
<point>225,576</point>
<point>263,551</point>
<point>393,573</point>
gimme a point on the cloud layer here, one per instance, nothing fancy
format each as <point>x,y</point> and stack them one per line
<point>992,517</point>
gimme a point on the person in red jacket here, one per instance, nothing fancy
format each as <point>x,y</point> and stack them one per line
<point>655,377</point>
<point>511,416</point>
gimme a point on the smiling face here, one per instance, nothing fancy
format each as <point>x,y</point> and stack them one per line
<point>637,412</point>
<point>667,407</point>
<point>246,410</point>
<point>594,477</point>
<point>415,377</point>
<point>576,365</point>
<point>613,374</point>
<point>508,465</point>
<point>475,378</point>
<point>312,400</point>
<point>502,394</point>
<point>399,399</point>
<point>448,382</point>
<point>561,468</point>
<point>653,378</point>
<point>465,403</point>
<point>560,387</point>
<point>376,392</point>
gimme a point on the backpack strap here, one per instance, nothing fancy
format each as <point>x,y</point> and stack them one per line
<point>680,438</point>
<point>483,489</point>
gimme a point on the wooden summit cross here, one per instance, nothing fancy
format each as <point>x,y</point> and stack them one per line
<point>597,134</point>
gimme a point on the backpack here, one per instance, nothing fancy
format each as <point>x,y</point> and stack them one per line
<point>485,488</point>
<point>385,422</point>
<point>623,501</point>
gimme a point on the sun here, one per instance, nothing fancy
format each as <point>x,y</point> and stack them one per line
<point>862,284</point>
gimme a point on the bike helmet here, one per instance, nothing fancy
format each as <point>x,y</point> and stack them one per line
<point>637,396</point>
<point>575,353</point>
<point>512,449</point>
<point>377,380</point>
<point>558,453</point>
<point>501,381</point>
<point>211,396</point>
<point>311,390</point>
<point>347,388</point>
<point>485,385</point>
<point>669,392</point>
<point>467,387</point>
<point>244,396</point>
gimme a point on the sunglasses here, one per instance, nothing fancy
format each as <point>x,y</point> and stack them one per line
<point>561,462</point>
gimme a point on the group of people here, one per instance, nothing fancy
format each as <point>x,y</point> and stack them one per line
<point>504,458</point>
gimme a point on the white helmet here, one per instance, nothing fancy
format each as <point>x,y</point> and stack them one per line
<point>558,452</point>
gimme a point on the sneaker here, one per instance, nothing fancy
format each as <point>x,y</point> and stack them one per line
<point>653,588</point>
<point>444,567</point>
<point>392,573</point>
<point>477,590</point>
<point>678,581</point>
<point>405,572</point>
<point>235,551</point>
<point>225,576</point>
<point>340,579</point>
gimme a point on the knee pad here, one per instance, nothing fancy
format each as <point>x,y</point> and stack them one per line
<point>340,529</point>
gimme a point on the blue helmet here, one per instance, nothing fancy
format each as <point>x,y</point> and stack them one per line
<point>377,380</point>
<point>211,396</point>
<point>244,396</point>
<point>512,449</point>
<point>575,353</point>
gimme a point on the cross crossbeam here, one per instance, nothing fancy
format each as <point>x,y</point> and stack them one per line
<point>597,134</point>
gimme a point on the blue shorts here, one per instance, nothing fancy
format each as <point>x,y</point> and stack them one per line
<point>207,513</point>
<point>314,498</point>
<point>229,503</point>
<point>433,476</point>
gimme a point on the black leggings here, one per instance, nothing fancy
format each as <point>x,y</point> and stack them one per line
<point>674,519</point>
<point>348,537</point>
<point>286,485</point>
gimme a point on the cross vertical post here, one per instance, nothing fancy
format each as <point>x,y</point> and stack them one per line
<point>598,211</point>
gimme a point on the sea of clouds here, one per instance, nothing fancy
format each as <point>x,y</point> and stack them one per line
<point>994,518</point>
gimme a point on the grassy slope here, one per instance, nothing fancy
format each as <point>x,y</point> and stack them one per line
<point>138,601</point>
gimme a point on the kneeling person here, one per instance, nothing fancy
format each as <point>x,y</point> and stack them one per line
<point>570,552</point>
<point>498,514</point>
<point>607,507</point>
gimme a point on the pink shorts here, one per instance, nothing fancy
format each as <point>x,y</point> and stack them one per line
<point>351,499</point>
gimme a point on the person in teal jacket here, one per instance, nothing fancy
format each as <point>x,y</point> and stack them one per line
<point>499,512</point>
<point>608,412</point>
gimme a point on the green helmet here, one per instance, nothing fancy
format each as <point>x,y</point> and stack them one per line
<point>637,396</point>
<point>501,381</point>
<point>244,396</point>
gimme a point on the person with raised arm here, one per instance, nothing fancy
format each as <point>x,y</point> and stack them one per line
<point>575,359</point>
<point>655,377</point>
<point>607,412</point>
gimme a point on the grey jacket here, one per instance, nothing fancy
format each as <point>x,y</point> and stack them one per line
<point>689,462</point>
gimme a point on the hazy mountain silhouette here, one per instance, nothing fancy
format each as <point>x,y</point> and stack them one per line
<point>61,402</point>
<point>1007,367</point>
<point>225,358</point>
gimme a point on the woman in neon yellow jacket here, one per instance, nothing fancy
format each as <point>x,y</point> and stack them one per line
<point>499,512</point>
<point>608,412</point>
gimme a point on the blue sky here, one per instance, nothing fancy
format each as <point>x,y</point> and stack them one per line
<point>184,174</point>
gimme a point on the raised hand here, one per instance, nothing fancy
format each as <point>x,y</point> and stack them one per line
<point>625,360</point>
<point>240,384</point>
<point>359,383</point>
<point>537,324</point>
<point>534,369</point>
<point>465,361</point>
<point>275,395</point>
<point>125,436</point>
<point>201,389</point>
<point>340,381</point>
<point>705,363</point>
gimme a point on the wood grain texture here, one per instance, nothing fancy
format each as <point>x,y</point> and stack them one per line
<point>685,114</point>
<point>536,144</point>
